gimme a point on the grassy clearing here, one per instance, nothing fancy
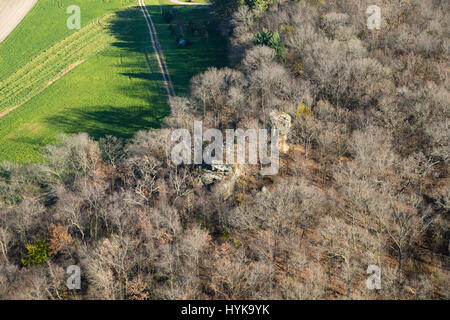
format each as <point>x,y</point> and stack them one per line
<point>45,25</point>
<point>36,74</point>
<point>117,91</point>
<point>202,53</point>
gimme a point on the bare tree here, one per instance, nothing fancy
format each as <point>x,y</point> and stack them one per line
<point>403,223</point>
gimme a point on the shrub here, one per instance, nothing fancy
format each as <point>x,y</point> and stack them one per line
<point>303,109</point>
<point>262,5</point>
<point>36,253</point>
<point>59,238</point>
<point>270,39</point>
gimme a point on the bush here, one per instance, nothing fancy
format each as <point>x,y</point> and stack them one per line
<point>270,39</point>
<point>36,253</point>
<point>262,5</point>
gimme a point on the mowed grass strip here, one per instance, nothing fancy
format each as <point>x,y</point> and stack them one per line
<point>39,72</point>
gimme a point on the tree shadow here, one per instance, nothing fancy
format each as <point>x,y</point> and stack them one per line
<point>145,83</point>
<point>130,30</point>
<point>207,47</point>
<point>121,122</point>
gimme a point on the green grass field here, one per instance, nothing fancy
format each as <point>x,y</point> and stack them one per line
<point>117,90</point>
<point>185,63</point>
<point>45,25</point>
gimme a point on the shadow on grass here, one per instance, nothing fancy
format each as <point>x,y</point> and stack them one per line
<point>107,120</point>
<point>36,143</point>
<point>207,47</point>
<point>130,31</point>
<point>130,59</point>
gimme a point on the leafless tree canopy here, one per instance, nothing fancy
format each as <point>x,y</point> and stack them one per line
<point>365,181</point>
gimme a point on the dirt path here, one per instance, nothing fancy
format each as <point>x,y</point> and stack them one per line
<point>158,50</point>
<point>157,45</point>
<point>11,13</point>
<point>189,3</point>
